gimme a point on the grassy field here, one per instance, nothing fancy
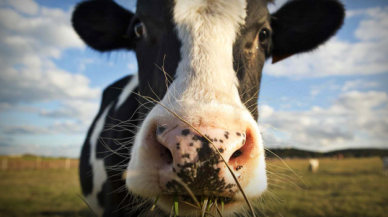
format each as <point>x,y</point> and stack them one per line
<point>350,187</point>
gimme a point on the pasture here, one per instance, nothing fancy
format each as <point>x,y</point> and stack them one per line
<point>349,187</point>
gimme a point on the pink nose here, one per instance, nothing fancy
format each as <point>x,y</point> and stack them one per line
<point>196,162</point>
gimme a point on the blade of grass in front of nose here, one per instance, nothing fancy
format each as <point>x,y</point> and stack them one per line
<point>222,205</point>
<point>205,201</point>
<point>175,199</point>
<point>156,201</point>
<point>209,204</point>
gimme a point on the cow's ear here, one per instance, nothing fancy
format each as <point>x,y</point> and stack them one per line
<point>302,25</point>
<point>102,24</point>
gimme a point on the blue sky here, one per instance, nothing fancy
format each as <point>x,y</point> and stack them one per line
<point>50,83</point>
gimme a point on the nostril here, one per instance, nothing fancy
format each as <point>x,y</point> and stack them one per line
<point>240,156</point>
<point>236,154</point>
<point>165,153</point>
<point>168,155</point>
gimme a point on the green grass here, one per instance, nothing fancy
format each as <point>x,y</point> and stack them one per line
<point>350,187</point>
<point>41,193</point>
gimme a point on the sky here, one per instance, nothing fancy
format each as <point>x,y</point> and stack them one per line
<point>333,98</point>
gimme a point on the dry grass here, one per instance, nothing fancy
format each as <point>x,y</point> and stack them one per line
<point>350,187</point>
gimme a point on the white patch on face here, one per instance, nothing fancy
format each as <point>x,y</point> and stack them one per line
<point>127,91</point>
<point>98,166</point>
<point>207,30</point>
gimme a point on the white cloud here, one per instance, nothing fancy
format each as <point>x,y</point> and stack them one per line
<point>266,111</point>
<point>338,57</point>
<point>359,84</point>
<point>273,7</point>
<point>24,129</point>
<point>132,66</point>
<point>30,84</point>
<point>81,110</point>
<point>29,7</point>
<point>31,38</point>
<point>63,127</point>
<point>27,45</point>
<point>327,86</point>
<point>355,119</point>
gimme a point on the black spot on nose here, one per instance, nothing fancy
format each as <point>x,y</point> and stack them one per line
<point>195,138</point>
<point>160,130</point>
<point>185,132</point>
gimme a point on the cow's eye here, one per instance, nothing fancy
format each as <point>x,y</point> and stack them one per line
<point>263,35</point>
<point>139,29</point>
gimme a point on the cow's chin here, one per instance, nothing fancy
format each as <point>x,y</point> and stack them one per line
<point>147,187</point>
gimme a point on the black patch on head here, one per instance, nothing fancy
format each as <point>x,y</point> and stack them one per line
<point>160,130</point>
<point>303,25</point>
<point>185,132</point>
<point>102,25</point>
<point>226,136</point>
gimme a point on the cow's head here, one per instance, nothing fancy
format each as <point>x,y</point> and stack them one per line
<point>212,53</point>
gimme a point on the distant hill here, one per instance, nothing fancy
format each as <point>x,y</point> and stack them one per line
<point>297,153</point>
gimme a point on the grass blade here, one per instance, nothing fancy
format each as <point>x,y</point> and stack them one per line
<point>176,212</point>
<point>156,201</point>
<point>222,205</point>
<point>205,201</point>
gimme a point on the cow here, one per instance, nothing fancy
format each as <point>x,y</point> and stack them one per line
<point>191,110</point>
<point>313,165</point>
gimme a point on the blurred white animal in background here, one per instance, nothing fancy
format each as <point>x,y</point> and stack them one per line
<point>313,165</point>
